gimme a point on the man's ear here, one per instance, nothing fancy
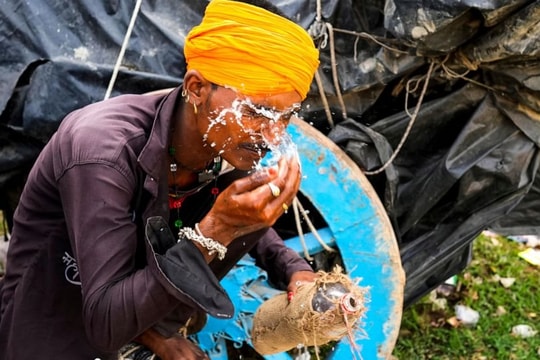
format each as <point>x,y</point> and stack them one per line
<point>197,87</point>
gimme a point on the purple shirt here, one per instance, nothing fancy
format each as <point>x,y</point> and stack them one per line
<point>82,280</point>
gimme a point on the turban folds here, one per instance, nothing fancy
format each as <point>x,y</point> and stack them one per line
<point>251,50</point>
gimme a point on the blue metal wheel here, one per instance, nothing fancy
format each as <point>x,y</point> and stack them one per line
<point>356,226</point>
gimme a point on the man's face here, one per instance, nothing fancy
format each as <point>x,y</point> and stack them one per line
<point>241,128</point>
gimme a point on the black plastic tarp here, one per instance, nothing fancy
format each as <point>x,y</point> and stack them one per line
<point>470,161</point>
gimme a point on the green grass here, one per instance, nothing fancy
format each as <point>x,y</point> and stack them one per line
<point>428,332</point>
<point>2,230</point>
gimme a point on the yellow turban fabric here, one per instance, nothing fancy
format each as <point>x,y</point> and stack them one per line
<point>252,50</point>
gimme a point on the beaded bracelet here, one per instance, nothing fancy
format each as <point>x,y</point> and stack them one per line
<point>208,243</point>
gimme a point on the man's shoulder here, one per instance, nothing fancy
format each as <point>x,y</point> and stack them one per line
<point>102,132</point>
<point>124,109</point>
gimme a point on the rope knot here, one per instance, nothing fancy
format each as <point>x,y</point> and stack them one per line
<point>318,31</point>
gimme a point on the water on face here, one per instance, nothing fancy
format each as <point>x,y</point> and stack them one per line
<point>278,143</point>
<point>221,120</point>
<point>284,148</point>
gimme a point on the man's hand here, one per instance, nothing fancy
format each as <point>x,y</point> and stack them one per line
<point>176,347</point>
<point>300,278</point>
<point>250,204</point>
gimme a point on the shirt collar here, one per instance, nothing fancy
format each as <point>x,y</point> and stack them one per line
<point>153,154</point>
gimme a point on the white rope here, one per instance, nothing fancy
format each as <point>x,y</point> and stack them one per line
<point>123,49</point>
<point>312,227</point>
<point>319,11</point>
<point>324,99</point>
<point>335,76</point>
<point>319,30</point>
<point>412,117</point>
<point>299,210</point>
<point>299,229</point>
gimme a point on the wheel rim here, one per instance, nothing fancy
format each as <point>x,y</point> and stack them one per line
<point>357,226</point>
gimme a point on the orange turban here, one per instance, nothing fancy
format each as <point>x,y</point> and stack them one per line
<point>251,50</point>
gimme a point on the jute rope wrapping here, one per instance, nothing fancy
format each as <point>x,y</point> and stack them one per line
<point>280,325</point>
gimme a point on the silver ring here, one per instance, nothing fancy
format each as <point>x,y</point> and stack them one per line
<point>274,189</point>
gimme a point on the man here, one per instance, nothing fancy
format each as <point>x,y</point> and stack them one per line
<point>92,263</point>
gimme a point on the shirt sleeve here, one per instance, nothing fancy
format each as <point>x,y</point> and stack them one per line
<point>119,300</point>
<point>279,261</point>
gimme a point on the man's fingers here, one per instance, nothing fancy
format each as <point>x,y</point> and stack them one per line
<point>284,179</point>
<point>288,179</point>
<point>254,181</point>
